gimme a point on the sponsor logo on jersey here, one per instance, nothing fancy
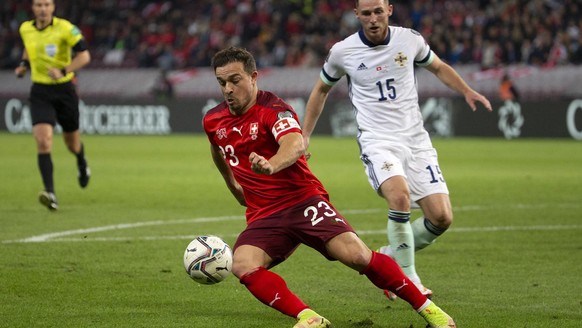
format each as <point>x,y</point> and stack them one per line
<point>362,67</point>
<point>237,129</point>
<point>401,59</point>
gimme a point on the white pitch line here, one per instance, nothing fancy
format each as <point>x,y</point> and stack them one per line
<point>60,236</point>
<point>360,232</point>
<point>49,236</point>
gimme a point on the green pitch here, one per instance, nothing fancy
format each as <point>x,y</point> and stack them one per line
<point>112,255</point>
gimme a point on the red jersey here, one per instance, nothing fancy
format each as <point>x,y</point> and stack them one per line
<point>258,130</point>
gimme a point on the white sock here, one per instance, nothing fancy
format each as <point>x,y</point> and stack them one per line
<point>424,233</point>
<point>401,240</point>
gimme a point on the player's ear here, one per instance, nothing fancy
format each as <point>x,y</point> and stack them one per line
<point>254,76</point>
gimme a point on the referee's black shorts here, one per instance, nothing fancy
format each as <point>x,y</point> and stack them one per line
<point>55,103</point>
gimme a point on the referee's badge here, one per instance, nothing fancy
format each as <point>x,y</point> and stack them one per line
<point>51,50</point>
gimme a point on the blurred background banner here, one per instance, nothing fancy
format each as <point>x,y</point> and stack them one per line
<point>123,102</point>
<point>150,73</point>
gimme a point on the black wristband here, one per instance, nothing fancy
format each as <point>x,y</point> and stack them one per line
<point>25,63</point>
<point>64,71</point>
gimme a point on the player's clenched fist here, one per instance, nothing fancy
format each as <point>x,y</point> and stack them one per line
<point>260,165</point>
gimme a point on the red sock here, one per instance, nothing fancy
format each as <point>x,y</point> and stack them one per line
<point>269,288</point>
<point>385,273</point>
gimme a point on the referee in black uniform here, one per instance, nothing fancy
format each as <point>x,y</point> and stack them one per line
<point>49,44</point>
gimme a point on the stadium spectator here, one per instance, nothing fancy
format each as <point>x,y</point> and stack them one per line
<point>286,204</point>
<point>508,91</point>
<point>453,28</point>
<point>163,89</point>
<point>398,156</point>
<point>48,41</point>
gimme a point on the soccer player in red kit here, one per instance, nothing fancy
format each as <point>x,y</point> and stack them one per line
<point>257,146</point>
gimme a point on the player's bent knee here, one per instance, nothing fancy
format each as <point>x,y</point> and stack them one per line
<point>248,258</point>
<point>443,220</point>
<point>240,269</point>
<point>357,259</point>
<point>350,250</point>
<point>402,204</point>
<point>399,201</point>
<point>361,260</point>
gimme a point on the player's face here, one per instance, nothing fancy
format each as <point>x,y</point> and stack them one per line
<point>238,87</point>
<point>373,15</point>
<point>43,10</point>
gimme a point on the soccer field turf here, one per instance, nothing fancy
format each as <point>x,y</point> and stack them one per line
<point>112,255</point>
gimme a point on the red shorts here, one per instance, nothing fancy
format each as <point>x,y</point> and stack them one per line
<point>312,222</point>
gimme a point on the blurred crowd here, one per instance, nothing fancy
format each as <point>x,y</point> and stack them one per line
<point>174,34</point>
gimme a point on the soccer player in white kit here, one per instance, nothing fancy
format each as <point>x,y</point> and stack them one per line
<point>396,150</point>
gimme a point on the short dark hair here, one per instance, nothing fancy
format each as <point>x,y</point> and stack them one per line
<point>233,55</point>
<point>358,2</point>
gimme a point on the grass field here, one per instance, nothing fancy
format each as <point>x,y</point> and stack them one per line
<point>112,255</point>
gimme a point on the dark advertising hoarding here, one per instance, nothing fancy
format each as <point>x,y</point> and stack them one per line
<point>444,117</point>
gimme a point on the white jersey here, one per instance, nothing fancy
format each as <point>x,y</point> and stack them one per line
<point>382,85</point>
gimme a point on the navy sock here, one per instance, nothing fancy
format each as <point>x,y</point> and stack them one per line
<point>81,162</point>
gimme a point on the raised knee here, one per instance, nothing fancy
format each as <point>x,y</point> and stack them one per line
<point>240,268</point>
<point>359,260</point>
<point>443,220</point>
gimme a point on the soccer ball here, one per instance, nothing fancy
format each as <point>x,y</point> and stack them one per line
<point>208,260</point>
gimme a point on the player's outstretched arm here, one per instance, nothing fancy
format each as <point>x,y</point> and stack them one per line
<point>472,97</point>
<point>453,80</point>
<point>313,110</point>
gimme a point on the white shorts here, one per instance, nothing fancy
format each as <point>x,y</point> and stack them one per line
<point>420,168</point>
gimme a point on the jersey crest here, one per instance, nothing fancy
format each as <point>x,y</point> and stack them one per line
<point>254,130</point>
<point>401,59</point>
